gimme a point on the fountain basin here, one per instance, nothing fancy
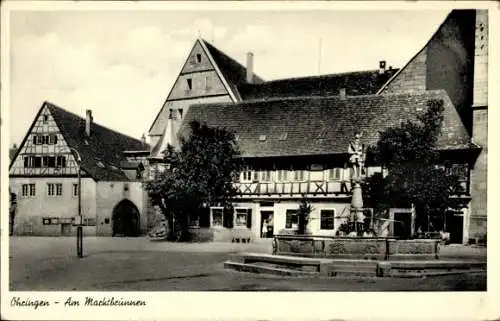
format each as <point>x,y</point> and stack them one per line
<point>368,248</point>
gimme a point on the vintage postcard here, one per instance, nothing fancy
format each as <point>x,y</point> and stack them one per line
<point>176,160</point>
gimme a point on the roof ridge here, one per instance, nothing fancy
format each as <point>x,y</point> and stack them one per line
<point>331,97</point>
<point>344,73</point>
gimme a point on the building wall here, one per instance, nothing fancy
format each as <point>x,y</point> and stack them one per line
<point>479,175</point>
<point>32,209</point>
<point>160,123</point>
<point>206,87</point>
<point>446,62</point>
<point>456,60</point>
<point>109,194</point>
<point>279,209</point>
<point>450,61</point>
<point>203,83</point>
<point>412,77</point>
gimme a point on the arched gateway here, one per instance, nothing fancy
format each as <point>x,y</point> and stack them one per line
<point>126,219</point>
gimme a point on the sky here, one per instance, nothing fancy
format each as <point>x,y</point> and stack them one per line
<point>122,64</point>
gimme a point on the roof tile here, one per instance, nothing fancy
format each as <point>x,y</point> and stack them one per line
<point>322,125</point>
<point>102,152</point>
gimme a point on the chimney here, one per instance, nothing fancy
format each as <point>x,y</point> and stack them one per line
<point>88,122</point>
<point>381,70</point>
<point>249,67</point>
<point>342,93</point>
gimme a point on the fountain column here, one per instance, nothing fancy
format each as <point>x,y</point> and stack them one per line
<point>357,155</point>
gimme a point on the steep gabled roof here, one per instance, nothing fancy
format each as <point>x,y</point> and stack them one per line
<point>322,125</point>
<point>355,83</point>
<point>232,71</point>
<point>102,152</point>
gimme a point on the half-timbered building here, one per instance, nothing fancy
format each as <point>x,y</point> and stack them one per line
<point>59,147</point>
<point>290,154</point>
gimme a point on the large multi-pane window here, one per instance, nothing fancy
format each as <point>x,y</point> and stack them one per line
<point>327,218</point>
<point>241,216</point>
<point>28,190</point>
<point>54,189</point>
<point>299,175</point>
<point>334,174</point>
<point>45,139</point>
<point>247,174</point>
<point>292,219</point>
<point>217,216</point>
<point>265,176</point>
<point>44,161</point>
<point>282,175</point>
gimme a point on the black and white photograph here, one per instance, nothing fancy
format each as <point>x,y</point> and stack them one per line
<point>253,149</point>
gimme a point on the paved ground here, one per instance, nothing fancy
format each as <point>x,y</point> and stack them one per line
<point>136,264</point>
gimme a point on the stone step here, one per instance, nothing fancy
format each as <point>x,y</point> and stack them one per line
<point>422,274</point>
<point>437,265</point>
<point>254,268</point>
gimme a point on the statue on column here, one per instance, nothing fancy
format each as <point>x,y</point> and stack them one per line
<point>356,159</point>
<point>357,156</point>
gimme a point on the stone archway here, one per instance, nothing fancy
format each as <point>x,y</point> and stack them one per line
<point>126,219</point>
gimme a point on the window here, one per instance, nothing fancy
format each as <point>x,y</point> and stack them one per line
<point>208,82</point>
<point>266,176</point>
<point>198,58</point>
<point>45,118</point>
<point>262,138</point>
<point>180,112</point>
<point>189,83</point>
<point>282,175</point>
<point>242,216</point>
<point>75,189</point>
<point>37,162</point>
<point>292,219</point>
<point>334,174</point>
<point>50,139</point>
<point>61,161</point>
<point>59,189</point>
<point>327,218</point>
<point>25,190</point>
<point>246,174</point>
<point>50,189</point>
<point>217,214</point>
<point>298,175</point>
<point>32,190</point>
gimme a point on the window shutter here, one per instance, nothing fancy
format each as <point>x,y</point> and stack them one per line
<point>205,217</point>
<point>249,218</point>
<point>228,217</point>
